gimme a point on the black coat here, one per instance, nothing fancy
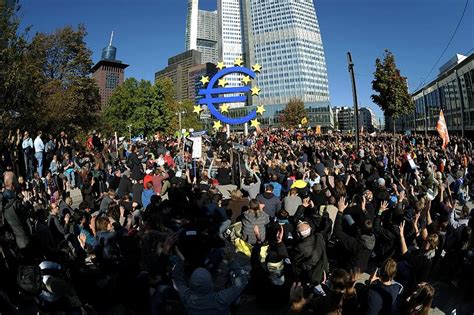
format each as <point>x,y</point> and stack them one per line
<point>356,251</point>
<point>125,186</point>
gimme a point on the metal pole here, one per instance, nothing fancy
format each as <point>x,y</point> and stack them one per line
<point>354,95</point>
<point>179,117</point>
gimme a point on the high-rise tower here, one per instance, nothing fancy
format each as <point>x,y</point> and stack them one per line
<point>202,32</point>
<point>284,37</point>
<point>230,38</point>
<point>108,72</point>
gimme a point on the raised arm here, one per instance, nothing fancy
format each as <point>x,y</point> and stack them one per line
<point>402,238</point>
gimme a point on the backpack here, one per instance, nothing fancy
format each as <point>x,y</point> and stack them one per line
<point>29,279</point>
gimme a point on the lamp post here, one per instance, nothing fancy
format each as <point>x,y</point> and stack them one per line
<point>179,114</point>
<point>130,131</point>
<point>354,95</point>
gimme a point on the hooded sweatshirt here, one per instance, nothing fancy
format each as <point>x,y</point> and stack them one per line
<point>198,295</point>
<point>357,249</point>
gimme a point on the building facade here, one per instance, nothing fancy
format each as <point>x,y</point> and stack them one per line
<point>367,119</point>
<point>109,73</point>
<point>284,37</point>
<point>319,114</point>
<point>344,118</point>
<point>194,78</point>
<point>230,40</point>
<point>452,91</point>
<point>178,71</point>
<point>202,32</point>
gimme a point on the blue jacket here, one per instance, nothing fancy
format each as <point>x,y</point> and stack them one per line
<point>146,196</point>
<point>276,188</point>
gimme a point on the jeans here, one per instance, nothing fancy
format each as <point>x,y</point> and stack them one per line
<point>71,178</point>
<point>28,166</point>
<point>39,158</point>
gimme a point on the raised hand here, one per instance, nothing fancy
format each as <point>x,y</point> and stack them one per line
<point>256,231</point>
<point>402,228</point>
<point>280,234</point>
<point>342,204</point>
<point>383,206</point>
<point>170,241</point>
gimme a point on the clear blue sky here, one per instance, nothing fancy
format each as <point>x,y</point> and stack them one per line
<point>147,32</point>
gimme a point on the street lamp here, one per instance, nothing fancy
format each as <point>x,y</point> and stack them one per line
<point>179,114</point>
<point>130,131</point>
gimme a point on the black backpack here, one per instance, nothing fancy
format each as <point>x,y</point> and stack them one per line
<point>29,279</point>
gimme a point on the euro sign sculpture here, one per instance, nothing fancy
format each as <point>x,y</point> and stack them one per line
<point>213,96</point>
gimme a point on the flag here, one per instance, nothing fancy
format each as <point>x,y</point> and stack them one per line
<point>442,129</point>
<point>304,121</point>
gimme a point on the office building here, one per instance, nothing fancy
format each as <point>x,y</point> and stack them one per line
<point>202,32</point>
<point>230,39</point>
<point>284,37</point>
<point>319,114</point>
<point>451,91</point>
<point>178,71</point>
<point>344,118</point>
<point>109,72</point>
<point>194,76</point>
<point>367,120</point>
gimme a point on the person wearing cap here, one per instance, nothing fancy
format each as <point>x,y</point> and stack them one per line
<point>148,177</point>
<point>381,193</point>
<point>198,294</point>
<point>300,184</point>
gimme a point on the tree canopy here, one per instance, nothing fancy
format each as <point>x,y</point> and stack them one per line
<point>147,108</point>
<point>391,88</point>
<point>45,83</point>
<point>293,113</point>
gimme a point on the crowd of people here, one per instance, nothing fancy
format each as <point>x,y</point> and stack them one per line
<point>276,222</point>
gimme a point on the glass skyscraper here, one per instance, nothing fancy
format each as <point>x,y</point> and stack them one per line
<point>284,37</point>
<point>202,32</point>
<point>230,39</point>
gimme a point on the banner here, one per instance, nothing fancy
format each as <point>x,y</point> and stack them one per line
<point>442,129</point>
<point>318,129</point>
<point>196,147</point>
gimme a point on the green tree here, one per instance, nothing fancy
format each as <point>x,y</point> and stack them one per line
<point>293,113</point>
<point>69,96</point>
<point>20,73</point>
<point>391,89</point>
<point>145,107</point>
<point>190,119</point>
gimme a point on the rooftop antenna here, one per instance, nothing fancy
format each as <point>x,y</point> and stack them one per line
<point>111,38</point>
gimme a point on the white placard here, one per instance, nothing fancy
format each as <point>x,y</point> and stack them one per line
<point>197,147</point>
